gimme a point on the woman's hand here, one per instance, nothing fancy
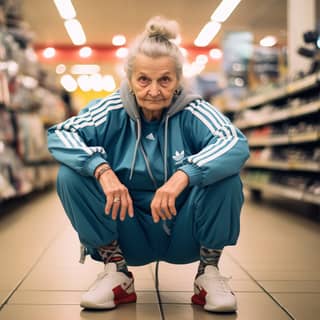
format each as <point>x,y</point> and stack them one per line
<point>117,194</point>
<point>163,203</point>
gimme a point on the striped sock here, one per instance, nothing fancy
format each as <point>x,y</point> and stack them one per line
<point>208,257</point>
<point>112,253</point>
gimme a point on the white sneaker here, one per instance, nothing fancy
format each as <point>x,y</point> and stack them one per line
<point>212,291</point>
<point>110,289</point>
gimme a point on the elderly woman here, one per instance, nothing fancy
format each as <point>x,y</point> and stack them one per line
<point>151,173</point>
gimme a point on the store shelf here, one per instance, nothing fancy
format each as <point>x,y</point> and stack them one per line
<point>303,84</point>
<point>282,92</point>
<point>272,140</point>
<point>305,137</point>
<point>305,109</point>
<point>282,165</point>
<point>281,115</point>
<point>260,99</point>
<point>27,99</point>
<point>274,188</point>
<point>285,139</point>
<point>280,190</point>
<point>296,110</point>
<point>275,117</point>
<point>308,197</point>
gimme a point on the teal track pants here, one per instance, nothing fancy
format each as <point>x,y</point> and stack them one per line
<point>210,217</point>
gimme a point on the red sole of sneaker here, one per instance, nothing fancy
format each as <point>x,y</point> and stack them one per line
<point>130,298</point>
<point>122,296</point>
<point>198,299</point>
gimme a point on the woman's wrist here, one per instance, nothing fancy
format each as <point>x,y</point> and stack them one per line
<point>100,170</point>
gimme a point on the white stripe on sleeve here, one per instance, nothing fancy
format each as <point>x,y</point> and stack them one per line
<point>205,121</point>
<point>220,153</point>
<point>63,139</point>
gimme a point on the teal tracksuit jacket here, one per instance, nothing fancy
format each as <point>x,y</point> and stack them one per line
<point>192,136</point>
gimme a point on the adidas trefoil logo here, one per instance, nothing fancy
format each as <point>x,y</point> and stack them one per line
<point>178,156</point>
<point>150,136</point>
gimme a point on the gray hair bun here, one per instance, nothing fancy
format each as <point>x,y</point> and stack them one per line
<point>163,28</point>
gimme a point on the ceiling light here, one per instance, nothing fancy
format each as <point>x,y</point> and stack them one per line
<point>224,10</point>
<point>85,69</point>
<point>60,68</point>
<point>118,40</point>
<point>31,54</point>
<point>68,82</point>
<point>75,31</point>
<point>122,52</point>
<point>49,52</point>
<point>65,9</point>
<point>239,82</point>
<point>191,70</point>
<point>29,82</point>
<point>108,83</point>
<point>85,52</point>
<point>13,68</point>
<point>84,82</point>
<point>188,71</point>
<point>120,70</point>
<point>198,68</point>
<point>268,41</point>
<point>207,33</point>
<point>96,82</point>
<point>201,59</point>
<point>215,54</point>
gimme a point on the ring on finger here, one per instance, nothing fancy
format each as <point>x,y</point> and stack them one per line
<point>116,199</point>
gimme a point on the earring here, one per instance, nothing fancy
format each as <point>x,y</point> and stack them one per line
<point>177,92</point>
<point>131,92</point>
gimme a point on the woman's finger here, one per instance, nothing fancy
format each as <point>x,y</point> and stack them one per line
<point>165,208</point>
<point>124,206</point>
<point>156,210</point>
<point>109,203</point>
<point>115,206</point>
<point>130,206</point>
<point>172,205</point>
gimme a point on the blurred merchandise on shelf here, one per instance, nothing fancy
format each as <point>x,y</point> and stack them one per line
<point>283,130</point>
<point>303,187</point>
<point>311,37</point>
<point>32,142</point>
<point>267,67</point>
<point>248,69</point>
<point>30,101</point>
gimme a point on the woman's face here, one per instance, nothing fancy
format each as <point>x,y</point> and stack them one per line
<point>153,82</point>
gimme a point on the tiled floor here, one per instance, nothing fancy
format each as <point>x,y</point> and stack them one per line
<point>275,269</point>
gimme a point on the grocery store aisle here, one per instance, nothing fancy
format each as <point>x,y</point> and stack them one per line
<point>275,269</point>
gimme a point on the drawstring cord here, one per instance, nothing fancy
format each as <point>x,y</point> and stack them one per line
<point>135,147</point>
<point>166,228</point>
<point>166,124</point>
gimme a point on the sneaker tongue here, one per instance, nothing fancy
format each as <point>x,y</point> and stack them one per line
<point>212,270</point>
<point>110,267</point>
